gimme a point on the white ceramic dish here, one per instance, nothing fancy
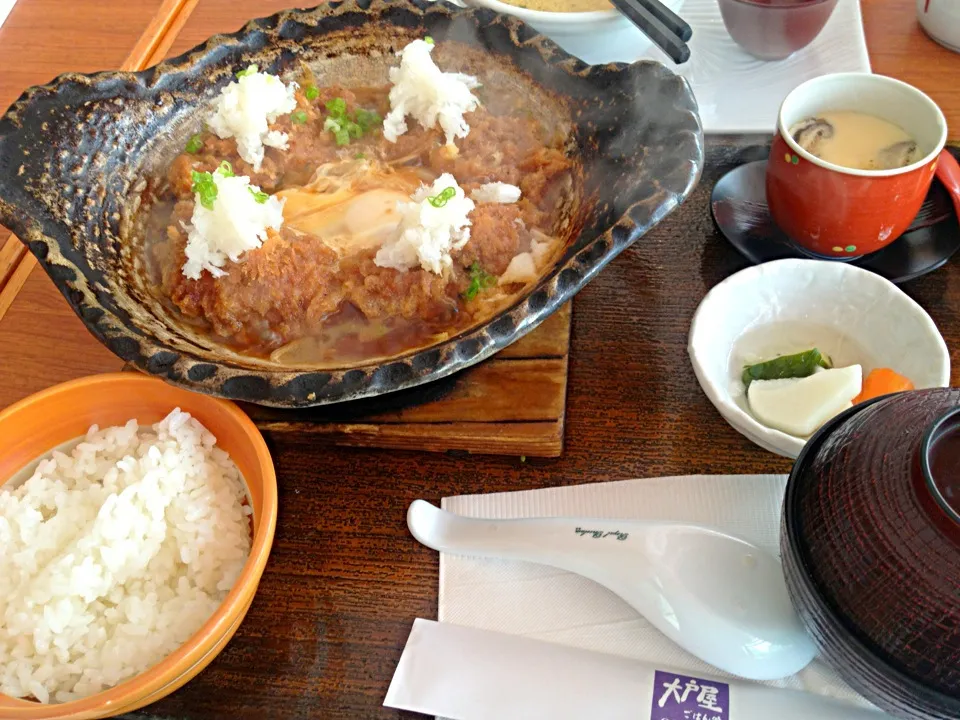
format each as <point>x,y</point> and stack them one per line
<point>940,19</point>
<point>850,313</point>
<point>594,37</point>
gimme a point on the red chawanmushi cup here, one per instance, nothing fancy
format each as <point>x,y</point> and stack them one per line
<point>838,212</point>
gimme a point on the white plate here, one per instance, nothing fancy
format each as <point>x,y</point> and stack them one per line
<point>880,325</point>
<point>736,92</point>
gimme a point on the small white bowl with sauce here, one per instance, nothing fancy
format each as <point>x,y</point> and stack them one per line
<point>852,315</point>
<point>596,36</point>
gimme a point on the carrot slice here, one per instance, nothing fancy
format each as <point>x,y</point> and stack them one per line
<point>882,381</point>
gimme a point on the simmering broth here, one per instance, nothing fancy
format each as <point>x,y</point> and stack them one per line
<point>856,140</point>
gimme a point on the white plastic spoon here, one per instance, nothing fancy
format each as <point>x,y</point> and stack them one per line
<point>715,595</point>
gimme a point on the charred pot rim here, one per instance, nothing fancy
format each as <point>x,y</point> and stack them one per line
<point>64,148</point>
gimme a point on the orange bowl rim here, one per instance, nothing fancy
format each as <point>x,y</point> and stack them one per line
<point>152,682</point>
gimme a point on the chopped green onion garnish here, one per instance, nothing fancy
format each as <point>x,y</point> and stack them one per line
<point>441,198</point>
<point>194,144</point>
<point>249,71</point>
<point>345,128</point>
<point>260,197</point>
<point>311,92</point>
<point>367,119</point>
<point>205,187</point>
<point>298,118</point>
<point>337,107</point>
<point>428,40</point>
<point>359,156</point>
<point>479,280</point>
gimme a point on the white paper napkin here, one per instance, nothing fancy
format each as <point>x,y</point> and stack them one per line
<point>548,604</point>
<point>5,7</point>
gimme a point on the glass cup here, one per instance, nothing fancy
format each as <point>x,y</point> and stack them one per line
<point>775,29</point>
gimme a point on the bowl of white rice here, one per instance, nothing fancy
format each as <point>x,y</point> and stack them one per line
<point>135,523</point>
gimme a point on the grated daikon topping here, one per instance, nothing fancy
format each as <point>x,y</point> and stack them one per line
<point>230,216</point>
<point>434,223</point>
<point>424,92</point>
<point>525,267</point>
<point>245,109</point>
<point>496,192</point>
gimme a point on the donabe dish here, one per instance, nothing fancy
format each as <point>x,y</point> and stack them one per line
<point>361,213</point>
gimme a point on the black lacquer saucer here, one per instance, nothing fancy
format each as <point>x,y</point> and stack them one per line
<point>739,207</point>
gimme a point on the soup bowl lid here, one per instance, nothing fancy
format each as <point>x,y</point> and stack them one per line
<point>871,552</point>
<point>74,151</point>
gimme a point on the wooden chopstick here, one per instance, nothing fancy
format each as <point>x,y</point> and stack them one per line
<point>15,261</point>
<point>156,40</point>
<point>13,270</point>
<point>662,26</point>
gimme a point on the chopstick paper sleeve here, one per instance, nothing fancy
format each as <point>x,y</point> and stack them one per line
<point>464,673</point>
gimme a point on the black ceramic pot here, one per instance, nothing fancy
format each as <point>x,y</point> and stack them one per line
<point>73,155</point>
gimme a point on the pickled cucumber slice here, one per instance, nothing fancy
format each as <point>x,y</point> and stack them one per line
<point>799,365</point>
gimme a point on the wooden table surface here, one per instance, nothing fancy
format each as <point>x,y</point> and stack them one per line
<point>345,579</point>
